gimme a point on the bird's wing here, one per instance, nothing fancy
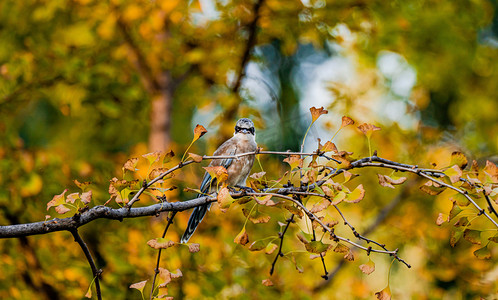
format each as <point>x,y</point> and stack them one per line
<point>227,148</point>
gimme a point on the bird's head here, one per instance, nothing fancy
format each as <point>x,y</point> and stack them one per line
<point>244,126</point>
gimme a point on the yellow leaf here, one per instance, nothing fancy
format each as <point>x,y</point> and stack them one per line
<point>339,197</point>
<point>255,216</point>
<point>356,195</point>
<point>318,207</point>
<point>491,171</point>
<point>432,188</point>
<point>224,199</point>
<point>195,157</point>
<point>218,172</point>
<point>270,248</point>
<point>242,238</point>
<point>57,200</point>
<point>473,236</point>
<point>441,218</point>
<point>329,146</point>
<point>152,157</point>
<point>294,161</point>
<point>459,159</point>
<point>483,253</point>
<point>317,112</point>
<point>156,172</point>
<point>454,173</point>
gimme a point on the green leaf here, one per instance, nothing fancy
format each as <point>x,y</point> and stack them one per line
<point>316,247</point>
<point>455,210</point>
<point>460,199</point>
<point>483,253</point>
<point>257,245</point>
<point>473,236</point>
<point>455,236</point>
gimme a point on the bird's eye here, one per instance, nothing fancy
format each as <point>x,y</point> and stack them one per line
<point>237,128</point>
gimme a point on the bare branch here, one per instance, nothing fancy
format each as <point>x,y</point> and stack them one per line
<point>96,273</point>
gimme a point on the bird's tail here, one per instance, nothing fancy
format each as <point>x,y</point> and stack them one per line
<point>194,220</point>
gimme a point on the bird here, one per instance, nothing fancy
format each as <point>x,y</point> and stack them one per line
<point>238,169</point>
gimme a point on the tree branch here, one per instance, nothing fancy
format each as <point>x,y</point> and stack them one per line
<point>96,273</point>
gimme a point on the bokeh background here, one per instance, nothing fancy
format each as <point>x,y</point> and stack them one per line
<point>85,84</point>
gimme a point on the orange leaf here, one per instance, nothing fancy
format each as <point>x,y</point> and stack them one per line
<point>346,121</point>
<point>267,282</point>
<point>193,248</point>
<point>317,112</point>
<point>294,161</point>
<point>152,157</point>
<point>61,209</point>
<point>385,294</point>
<point>160,243</point>
<point>492,171</point>
<point>368,129</point>
<point>329,146</point>
<point>368,268</point>
<point>459,159</point>
<point>199,131</point>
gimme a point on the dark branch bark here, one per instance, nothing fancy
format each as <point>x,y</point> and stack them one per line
<point>88,255</point>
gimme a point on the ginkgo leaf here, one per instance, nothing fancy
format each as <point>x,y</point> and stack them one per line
<point>131,164</point>
<point>454,173</point>
<point>328,147</point>
<point>346,121</point>
<point>294,210</point>
<point>302,238</point>
<point>86,197</point>
<point>441,218</point>
<point>270,248</point>
<point>463,221</point>
<point>256,216</point>
<point>455,210</point>
<point>473,236</point>
<point>194,247</point>
<point>62,209</point>
<point>483,253</point>
<point>242,238</point>
<point>82,185</point>
<point>317,112</point>
<point>257,245</point>
<point>267,282</point>
<point>318,207</point>
<point>356,195</point>
<point>258,176</point>
<point>316,247</point>
<point>459,199</point>
<point>368,129</point>
<point>385,294</point>
<point>168,156</point>
<point>224,199</point>
<point>152,157</point>
<point>139,285</point>
<point>459,159</point>
<point>341,248</point>
<point>160,243</point>
<point>195,157</point>
<point>218,172</point>
<point>455,236</point>
<point>493,239</point>
<point>338,198</point>
<point>431,188</point>
<point>368,267</point>
<point>199,131</point>
<point>71,198</point>
<point>294,161</point>
<point>491,171</point>
<point>57,200</point>
<point>265,200</point>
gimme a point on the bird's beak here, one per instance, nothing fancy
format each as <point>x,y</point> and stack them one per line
<point>243,130</point>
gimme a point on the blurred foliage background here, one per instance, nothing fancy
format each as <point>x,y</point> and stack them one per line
<point>86,84</point>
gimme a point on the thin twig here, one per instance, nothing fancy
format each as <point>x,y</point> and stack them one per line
<point>96,273</point>
<point>281,236</point>
<point>156,270</point>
